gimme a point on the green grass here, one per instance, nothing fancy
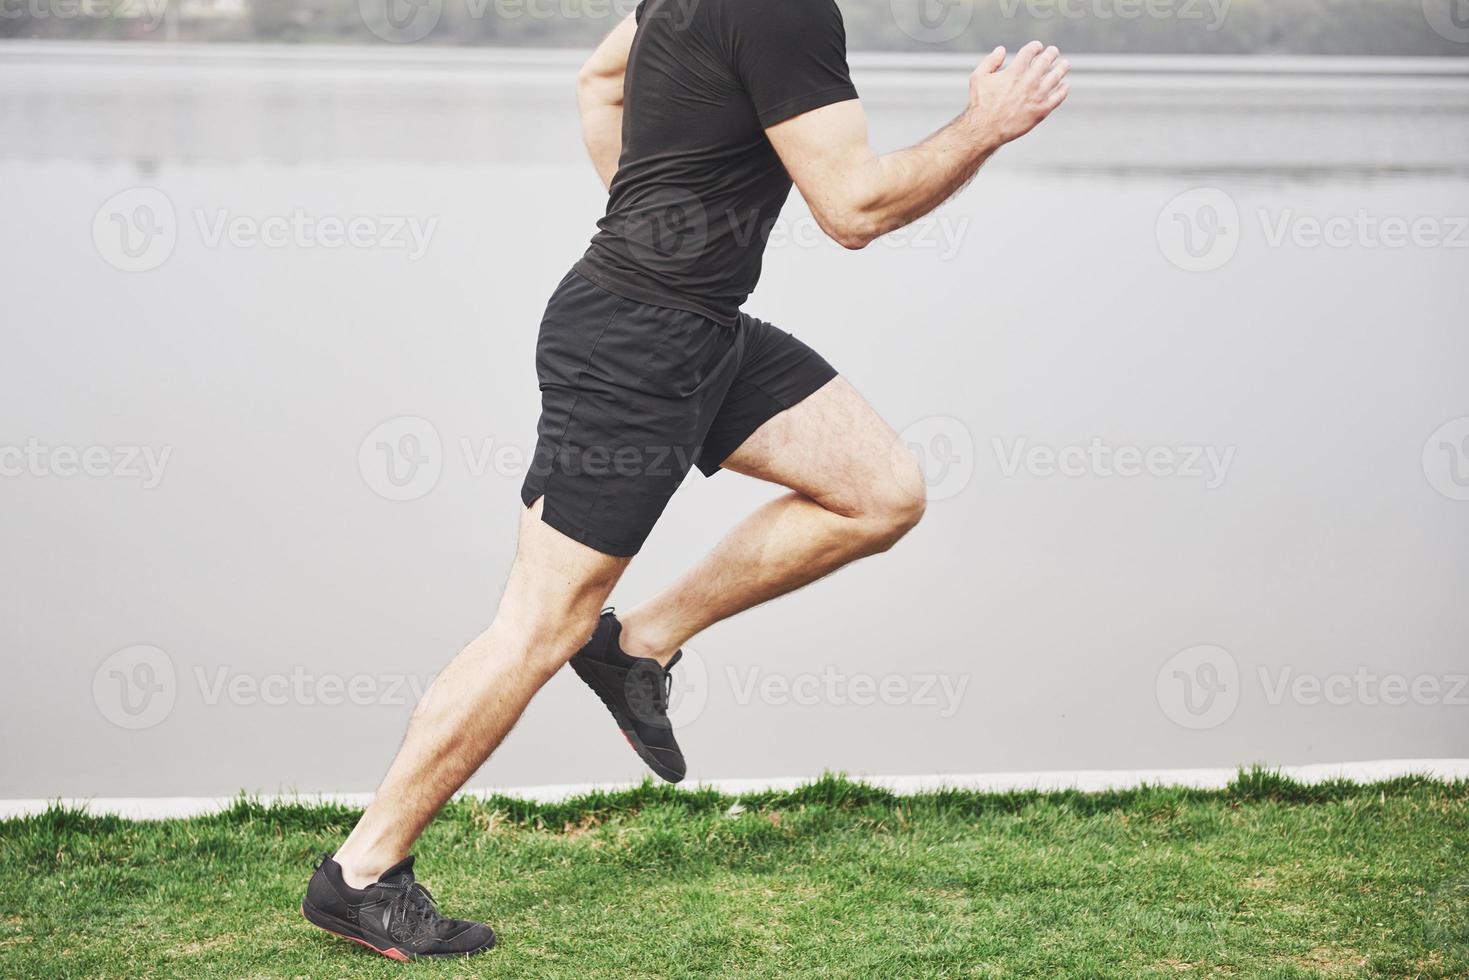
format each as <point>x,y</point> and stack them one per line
<point>1267,878</point>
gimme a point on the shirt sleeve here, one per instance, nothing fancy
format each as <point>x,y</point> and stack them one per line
<point>790,56</point>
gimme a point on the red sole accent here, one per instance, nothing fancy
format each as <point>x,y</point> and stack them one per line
<point>390,953</point>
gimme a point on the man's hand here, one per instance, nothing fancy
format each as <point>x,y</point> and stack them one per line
<point>1009,102</point>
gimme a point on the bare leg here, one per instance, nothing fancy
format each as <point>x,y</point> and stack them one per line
<point>856,491</point>
<point>550,605</point>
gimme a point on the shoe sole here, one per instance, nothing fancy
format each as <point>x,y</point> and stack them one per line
<point>336,926</point>
<point>625,725</point>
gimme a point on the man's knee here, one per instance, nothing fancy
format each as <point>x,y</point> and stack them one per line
<point>895,505</point>
<point>544,643</point>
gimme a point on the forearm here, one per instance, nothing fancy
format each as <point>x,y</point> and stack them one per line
<point>896,189</point>
<point>599,96</point>
<point>601,129</point>
<point>858,196</point>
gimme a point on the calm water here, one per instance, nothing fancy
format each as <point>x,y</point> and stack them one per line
<point>1256,283</point>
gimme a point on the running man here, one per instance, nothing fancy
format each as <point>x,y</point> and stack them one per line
<point>698,118</point>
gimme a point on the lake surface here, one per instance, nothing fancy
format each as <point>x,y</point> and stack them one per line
<point>1188,369</point>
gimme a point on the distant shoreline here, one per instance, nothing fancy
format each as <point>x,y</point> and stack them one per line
<point>349,56</point>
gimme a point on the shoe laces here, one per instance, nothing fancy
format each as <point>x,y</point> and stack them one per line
<point>657,685</point>
<point>662,685</point>
<point>415,911</point>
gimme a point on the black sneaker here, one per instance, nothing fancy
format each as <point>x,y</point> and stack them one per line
<point>635,690</point>
<point>394,916</point>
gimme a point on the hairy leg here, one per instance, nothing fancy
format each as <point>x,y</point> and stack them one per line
<point>855,491</point>
<point>550,606</point>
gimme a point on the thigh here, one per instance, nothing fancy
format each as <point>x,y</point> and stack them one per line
<point>834,448</point>
<point>775,372</point>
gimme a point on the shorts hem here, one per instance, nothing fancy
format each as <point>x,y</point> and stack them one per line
<point>554,518</point>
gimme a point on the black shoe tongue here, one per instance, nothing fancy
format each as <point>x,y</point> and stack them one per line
<point>403,869</point>
<point>673,660</point>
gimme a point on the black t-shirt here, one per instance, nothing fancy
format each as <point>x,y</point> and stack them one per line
<point>699,187</point>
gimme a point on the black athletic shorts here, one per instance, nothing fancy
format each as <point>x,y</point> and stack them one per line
<point>633,396</point>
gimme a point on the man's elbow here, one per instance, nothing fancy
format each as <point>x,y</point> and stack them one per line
<point>853,218</point>
<point>856,239</point>
<point>852,228</point>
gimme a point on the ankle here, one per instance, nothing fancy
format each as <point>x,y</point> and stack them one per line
<point>361,870</point>
<point>640,639</point>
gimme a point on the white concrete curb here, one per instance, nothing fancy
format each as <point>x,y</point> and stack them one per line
<point>1087,780</point>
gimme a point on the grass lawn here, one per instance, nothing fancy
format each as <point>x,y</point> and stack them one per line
<point>1265,879</point>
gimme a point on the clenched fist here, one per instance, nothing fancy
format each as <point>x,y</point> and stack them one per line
<point>1010,101</point>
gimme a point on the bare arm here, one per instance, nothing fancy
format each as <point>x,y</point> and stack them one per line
<point>857,195</point>
<point>599,97</point>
